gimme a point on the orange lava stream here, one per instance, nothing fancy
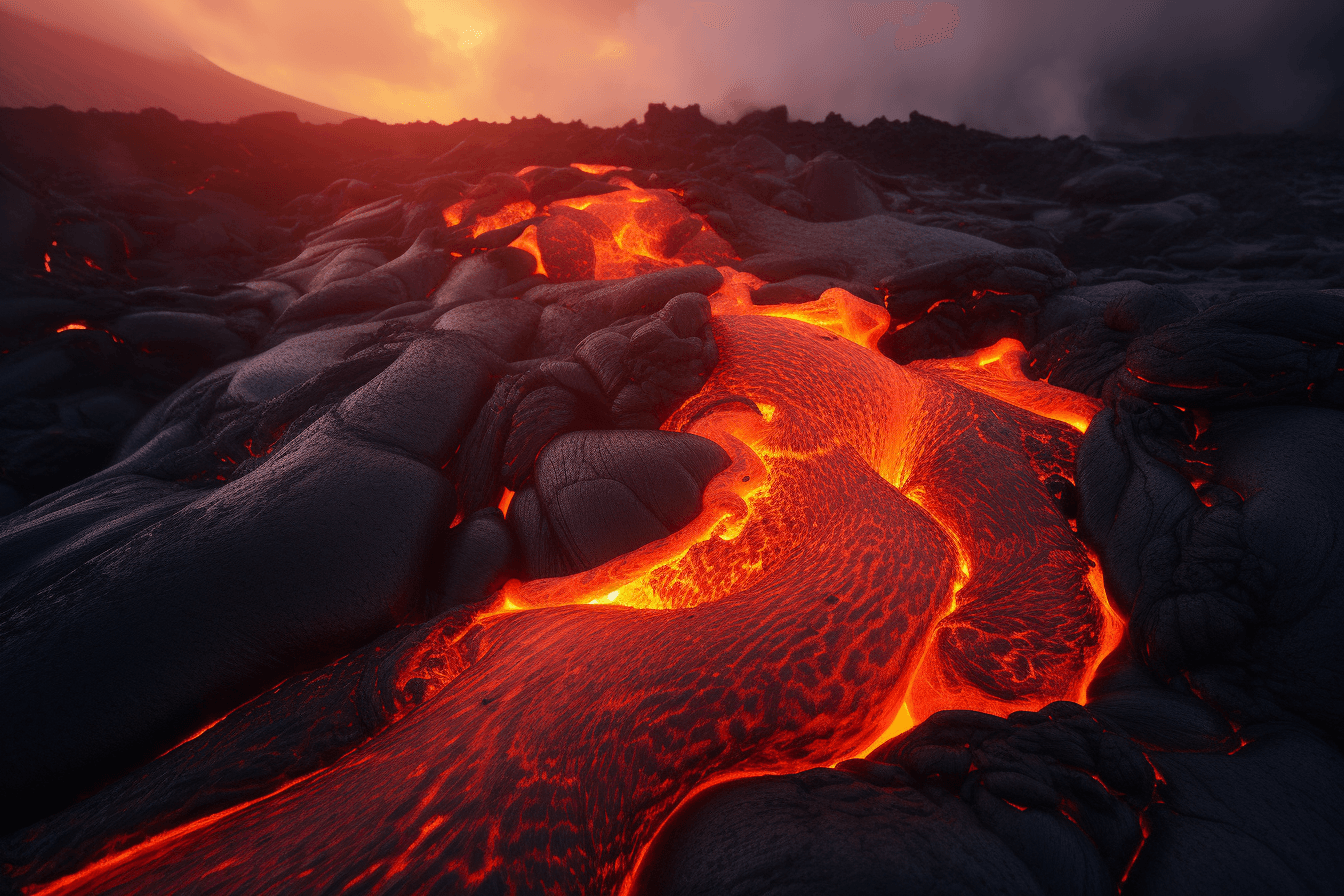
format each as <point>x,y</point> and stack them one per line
<point>605,236</point>
<point>510,214</point>
<point>880,547</point>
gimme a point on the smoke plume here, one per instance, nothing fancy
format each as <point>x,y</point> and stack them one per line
<point>1135,69</point>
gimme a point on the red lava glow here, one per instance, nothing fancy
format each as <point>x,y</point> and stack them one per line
<point>880,547</point>
<point>604,237</point>
<point>616,235</point>
<point>507,216</point>
<point>598,170</point>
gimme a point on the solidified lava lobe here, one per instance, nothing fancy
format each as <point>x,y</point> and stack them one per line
<point>881,534</point>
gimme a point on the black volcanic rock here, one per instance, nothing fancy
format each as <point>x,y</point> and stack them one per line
<point>1112,184</point>
<point>261,406</point>
<point>601,494</point>
<point>142,691</point>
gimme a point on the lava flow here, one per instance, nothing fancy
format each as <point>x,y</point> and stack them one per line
<point>607,236</point>
<point>882,540</point>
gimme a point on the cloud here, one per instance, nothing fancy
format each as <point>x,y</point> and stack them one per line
<point>125,23</point>
<point>1120,68</point>
<point>363,38</point>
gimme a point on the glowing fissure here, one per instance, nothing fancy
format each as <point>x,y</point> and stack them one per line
<point>880,547</point>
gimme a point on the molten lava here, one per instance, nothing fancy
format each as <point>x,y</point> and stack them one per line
<point>881,547</point>
<point>607,236</point>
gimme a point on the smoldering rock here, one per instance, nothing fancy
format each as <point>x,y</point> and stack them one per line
<point>293,361</point>
<point>567,238</point>
<point>505,326</point>
<point>1264,454</point>
<point>603,354</point>
<point>173,423</point>
<point>547,184</point>
<point>493,192</point>
<point>543,414</point>
<point>305,723</point>
<point>1254,348</point>
<point>955,327</point>
<point>1084,333</point>
<point>629,376</point>
<point>824,831</point>
<point>1209,579</point>
<point>583,187</point>
<point>901,818</point>
<point>141,690</point>
<point>664,368</point>
<point>31,315</point>
<point>1156,715</point>
<point>1031,271</point>
<point>601,494</point>
<point>477,467</point>
<point>565,323</point>
<point>24,226</point>
<point>200,336</point>
<point>409,277</point>
<point>303,271</point>
<point>478,551</point>
<point>101,243</point>
<point>648,366</point>
<point>686,315</point>
<point>1225,823</point>
<point>348,263</point>
<point>483,276</point>
<point>372,220</point>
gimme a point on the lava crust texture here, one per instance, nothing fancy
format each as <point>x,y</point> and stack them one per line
<point>769,508</point>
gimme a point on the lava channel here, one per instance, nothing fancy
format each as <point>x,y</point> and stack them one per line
<point>881,547</point>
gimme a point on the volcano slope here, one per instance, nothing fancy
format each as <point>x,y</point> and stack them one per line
<point>672,509</point>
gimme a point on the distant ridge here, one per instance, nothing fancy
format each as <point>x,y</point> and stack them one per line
<point>44,66</point>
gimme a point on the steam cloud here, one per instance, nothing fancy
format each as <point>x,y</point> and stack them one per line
<point>1122,70</point>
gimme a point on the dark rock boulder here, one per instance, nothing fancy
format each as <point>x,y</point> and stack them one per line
<point>601,494</point>
<point>565,323</point>
<point>1121,182</point>
<point>319,549</point>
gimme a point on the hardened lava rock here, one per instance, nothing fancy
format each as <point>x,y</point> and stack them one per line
<point>284,408</point>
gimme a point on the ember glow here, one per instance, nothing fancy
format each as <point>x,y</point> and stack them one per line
<point>880,547</point>
<point>597,237</point>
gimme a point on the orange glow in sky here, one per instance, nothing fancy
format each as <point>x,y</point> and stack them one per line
<point>1020,68</point>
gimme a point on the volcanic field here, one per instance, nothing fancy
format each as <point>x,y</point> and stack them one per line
<point>767,508</point>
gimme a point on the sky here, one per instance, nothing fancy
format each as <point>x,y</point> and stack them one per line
<point>1124,69</point>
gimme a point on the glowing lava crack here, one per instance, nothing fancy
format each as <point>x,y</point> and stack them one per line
<point>882,536</point>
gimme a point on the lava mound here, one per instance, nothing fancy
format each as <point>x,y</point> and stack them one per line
<point>770,508</point>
